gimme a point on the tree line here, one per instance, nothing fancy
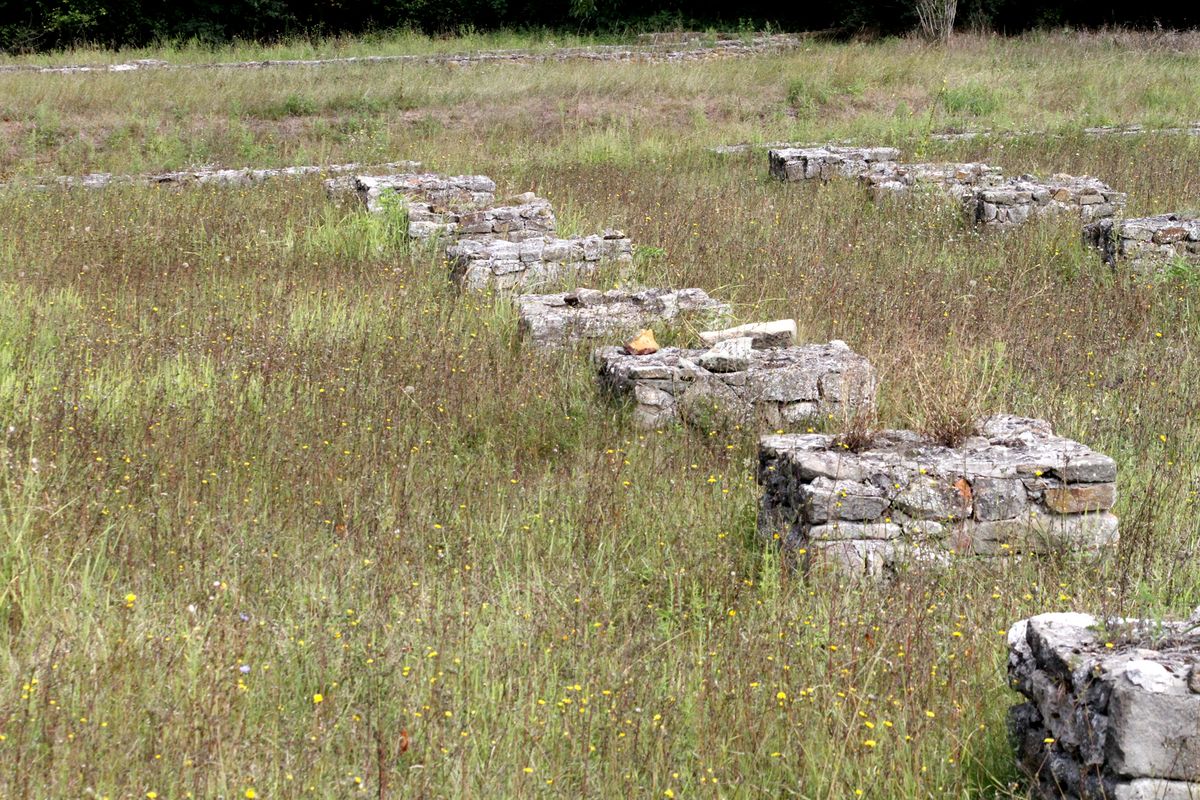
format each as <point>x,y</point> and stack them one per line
<point>35,25</point>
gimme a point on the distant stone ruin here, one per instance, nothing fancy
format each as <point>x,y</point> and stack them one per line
<point>1018,199</point>
<point>891,178</point>
<point>733,383</point>
<point>1112,711</point>
<point>552,320</point>
<point>903,498</point>
<point>534,263</point>
<point>208,176</point>
<point>824,163</point>
<point>1146,243</point>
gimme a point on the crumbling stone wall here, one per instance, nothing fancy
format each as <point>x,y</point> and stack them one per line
<point>889,178</point>
<point>732,382</point>
<point>1145,243</point>
<point>1015,487</point>
<point>531,264</point>
<point>559,319</point>
<point>823,163</point>
<point>1016,200</point>
<point>460,192</point>
<point>1112,712</point>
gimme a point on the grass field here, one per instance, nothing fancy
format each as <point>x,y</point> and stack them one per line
<point>272,493</point>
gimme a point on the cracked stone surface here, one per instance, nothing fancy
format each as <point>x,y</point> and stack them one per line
<point>1146,244</point>
<point>780,388</point>
<point>1018,199</point>
<point>1112,709</point>
<point>558,319</point>
<point>824,163</point>
<point>1015,487</point>
<point>534,263</point>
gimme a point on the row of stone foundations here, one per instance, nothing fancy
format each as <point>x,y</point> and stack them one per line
<point>986,197</point>
<point>902,498</point>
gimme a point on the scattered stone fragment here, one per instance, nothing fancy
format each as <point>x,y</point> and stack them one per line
<point>891,178</point>
<point>558,319</point>
<point>823,163</point>
<point>1018,199</point>
<point>763,335</point>
<point>643,344</point>
<point>1110,711</point>
<point>534,263</point>
<point>778,388</point>
<point>1015,487</point>
<point>1146,243</point>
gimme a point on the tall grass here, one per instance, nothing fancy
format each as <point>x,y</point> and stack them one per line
<point>271,493</point>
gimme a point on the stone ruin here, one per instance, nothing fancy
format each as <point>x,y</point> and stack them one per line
<point>534,263</point>
<point>904,498</point>
<point>733,382</point>
<point>1112,710</point>
<point>552,320</point>
<point>466,192</point>
<point>457,207</point>
<point>208,176</point>
<point>1017,199</point>
<point>823,163</point>
<point>1146,242</point>
<point>889,178</point>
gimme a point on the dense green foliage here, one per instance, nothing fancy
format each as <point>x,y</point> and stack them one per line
<point>48,24</point>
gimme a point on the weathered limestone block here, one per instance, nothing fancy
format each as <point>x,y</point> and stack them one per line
<point>1146,243</point>
<point>823,163</point>
<point>533,263</point>
<point>558,319</point>
<point>778,388</point>
<point>890,178</point>
<point>1015,487</point>
<point>1018,199</point>
<point>763,335</point>
<point>1112,711</point>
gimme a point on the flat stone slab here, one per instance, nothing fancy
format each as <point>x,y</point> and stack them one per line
<point>823,163</point>
<point>762,335</point>
<point>1146,243</point>
<point>558,319</point>
<point>1015,487</point>
<point>1112,709</point>
<point>891,178</point>
<point>780,388</point>
<point>1018,199</point>
<point>534,263</point>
